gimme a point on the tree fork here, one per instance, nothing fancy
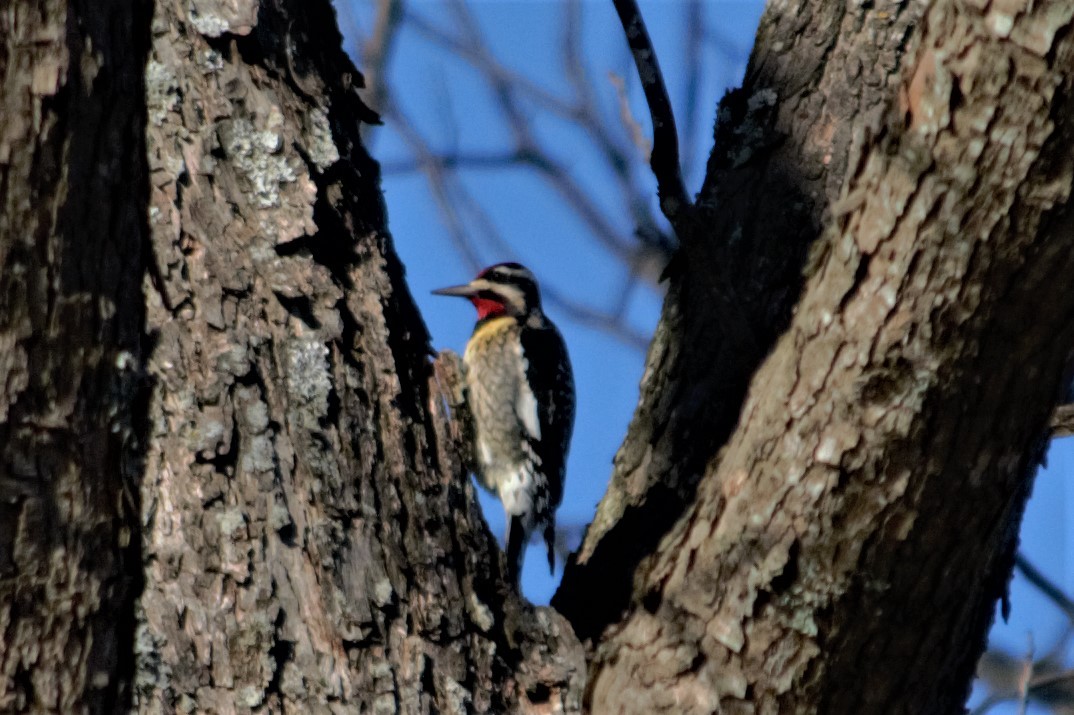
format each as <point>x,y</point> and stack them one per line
<point>308,535</point>
<point>783,142</point>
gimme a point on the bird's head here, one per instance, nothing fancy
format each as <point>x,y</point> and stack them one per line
<point>502,289</point>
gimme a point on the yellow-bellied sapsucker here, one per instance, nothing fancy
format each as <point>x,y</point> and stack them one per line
<point>520,391</point>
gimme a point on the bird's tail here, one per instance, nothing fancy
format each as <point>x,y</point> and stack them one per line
<point>515,546</point>
<point>550,540</point>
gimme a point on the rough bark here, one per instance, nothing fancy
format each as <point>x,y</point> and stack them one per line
<point>820,77</point>
<point>308,542</point>
<point>231,477</point>
<point>72,182</point>
<point>845,548</point>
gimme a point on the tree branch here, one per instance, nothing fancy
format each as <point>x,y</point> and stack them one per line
<point>1045,586</point>
<point>376,52</point>
<point>694,19</point>
<point>665,155</point>
<point>510,90</point>
<point>1040,688</point>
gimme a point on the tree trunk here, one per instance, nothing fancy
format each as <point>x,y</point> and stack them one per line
<point>308,543</point>
<point>233,481</point>
<point>72,231</point>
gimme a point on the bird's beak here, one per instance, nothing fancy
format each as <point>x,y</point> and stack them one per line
<point>463,291</point>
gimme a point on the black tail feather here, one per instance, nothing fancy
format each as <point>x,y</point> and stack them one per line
<point>516,545</point>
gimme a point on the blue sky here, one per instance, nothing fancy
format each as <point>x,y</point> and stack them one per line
<point>449,103</point>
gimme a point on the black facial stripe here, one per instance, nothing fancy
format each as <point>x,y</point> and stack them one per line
<point>522,280</point>
<point>509,272</point>
<point>489,294</point>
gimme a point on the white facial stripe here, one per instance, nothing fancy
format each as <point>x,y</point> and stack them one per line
<point>513,297</point>
<point>516,273</point>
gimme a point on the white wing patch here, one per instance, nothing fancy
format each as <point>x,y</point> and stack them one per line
<point>484,477</point>
<point>516,493</point>
<point>526,405</point>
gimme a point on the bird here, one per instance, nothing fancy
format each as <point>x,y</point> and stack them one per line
<point>520,393</point>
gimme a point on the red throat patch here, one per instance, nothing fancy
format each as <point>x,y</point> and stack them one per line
<point>487,308</point>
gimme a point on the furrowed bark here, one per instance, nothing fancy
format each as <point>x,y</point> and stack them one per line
<point>72,230</point>
<point>820,78</point>
<point>309,542</point>
<point>846,548</point>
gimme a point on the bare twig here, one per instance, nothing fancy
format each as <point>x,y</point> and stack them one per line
<point>611,323</point>
<point>1023,680</point>
<point>477,55</point>
<point>1051,679</point>
<point>1027,676</point>
<point>453,200</point>
<point>575,196</point>
<point>694,19</point>
<point>665,155</point>
<point>583,111</point>
<point>521,102</point>
<point>573,65</point>
<point>1034,690</point>
<point>494,160</point>
<point>374,54</point>
<point>376,51</point>
<point>439,183</point>
<point>1045,586</point>
<point>627,117</point>
<point>553,171</point>
<point>614,150</point>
